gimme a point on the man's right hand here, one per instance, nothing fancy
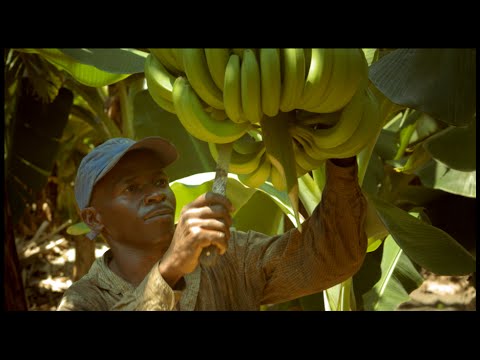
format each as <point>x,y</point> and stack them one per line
<point>205,221</point>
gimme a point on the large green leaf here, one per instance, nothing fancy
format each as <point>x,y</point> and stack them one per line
<point>371,55</point>
<point>34,145</point>
<point>116,61</point>
<point>260,214</point>
<point>189,188</point>
<point>455,147</point>
<point>398,278</point>
<point>435,175</point>
<point>151,120</point>
<point>85,74</point>
<point>429,246</point>
<point>309,193</point>
<point>439,82</point>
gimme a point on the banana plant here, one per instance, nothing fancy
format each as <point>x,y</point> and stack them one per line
<point>406,164</point>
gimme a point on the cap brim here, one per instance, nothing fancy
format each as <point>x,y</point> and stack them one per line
<point>165,150</point>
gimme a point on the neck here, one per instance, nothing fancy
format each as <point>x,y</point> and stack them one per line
<point>133,264</point>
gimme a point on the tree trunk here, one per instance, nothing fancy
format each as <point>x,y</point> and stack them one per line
<point>14,291</point>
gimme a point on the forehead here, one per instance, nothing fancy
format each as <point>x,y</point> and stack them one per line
<point>138,161</point>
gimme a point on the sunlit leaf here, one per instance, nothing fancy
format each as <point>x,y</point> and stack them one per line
<point>117,61</point>
<point>85,74</point>
<point>188,188</point>
<point>418,158</point>
<point>398,278</point>
<point>78,229</point>
<point>252,215</point>
<point>370,55</point>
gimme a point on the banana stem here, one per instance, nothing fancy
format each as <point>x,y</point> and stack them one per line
<point>126,108</point>
<point>364,156</point>
<point>210,254</point>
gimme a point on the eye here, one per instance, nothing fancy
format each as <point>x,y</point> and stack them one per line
<point>163,182</point>
<point>131,188</point>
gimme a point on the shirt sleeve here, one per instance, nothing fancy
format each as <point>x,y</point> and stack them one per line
<point>330,249</point>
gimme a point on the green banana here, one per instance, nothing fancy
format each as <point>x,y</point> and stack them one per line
<point>369,125</point>
<point>232,95</point>
<point>178,58</point>
<point>250,142</point>
<point>240,163</point>
<point>197,121</point>
<point>160,83</point>
<point>293,78</point>
<point>250,87</point>
<point>159,80</point>
<point>217,60</point>
<point>198,75</point>
<point>350,72</point>
<point>217,114</point>
<point>304,161</point>
<point>271,81</point>
<point>257,177</point>
<point>167,59</point>
<point>318,76</point>
<point>238,52</point>
<point>325,120</point>
<point>348,121</point>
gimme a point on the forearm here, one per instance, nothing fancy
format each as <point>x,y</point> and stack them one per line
<point>339,220</point>
<point>331,246</point>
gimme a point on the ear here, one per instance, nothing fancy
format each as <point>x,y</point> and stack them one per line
<point>92,218</point>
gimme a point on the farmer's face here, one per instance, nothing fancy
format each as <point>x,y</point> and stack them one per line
<point>135,202</point>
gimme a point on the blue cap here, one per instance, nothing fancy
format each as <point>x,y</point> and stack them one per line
<point>103,158</point>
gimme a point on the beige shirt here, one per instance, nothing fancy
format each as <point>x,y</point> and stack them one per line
<point>256,269</point>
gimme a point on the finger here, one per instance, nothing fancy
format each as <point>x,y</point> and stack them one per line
<point>210,212</point>
<point>211,198</point>
<point>218,239</point>
<point>214,224</point>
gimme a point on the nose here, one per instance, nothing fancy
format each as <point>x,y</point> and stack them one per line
<point>154,195</point>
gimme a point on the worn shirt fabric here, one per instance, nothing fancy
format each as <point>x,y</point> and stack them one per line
<point>257,269</point>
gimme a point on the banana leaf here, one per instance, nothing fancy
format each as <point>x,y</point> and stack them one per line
<point>37,128</point>
<point>385,283</point>
<point>251,205</point>
<point>439,82</point>
<point>455,147</point>
<point>116,61</point>
<point>371,55</point>
<point>85,74</point>
<point>426,245</point>
<point>435,175</point>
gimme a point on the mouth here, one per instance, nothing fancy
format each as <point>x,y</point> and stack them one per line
<point>158,213</point>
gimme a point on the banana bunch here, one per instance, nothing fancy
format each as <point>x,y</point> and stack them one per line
<point>344,137</point>
<point>224,95</point>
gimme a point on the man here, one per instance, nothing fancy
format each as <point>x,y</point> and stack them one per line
<point>123,193</point>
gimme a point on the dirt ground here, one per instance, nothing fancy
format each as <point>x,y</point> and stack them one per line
<point>47,272</point>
